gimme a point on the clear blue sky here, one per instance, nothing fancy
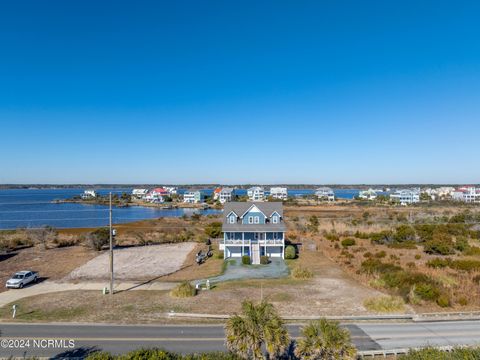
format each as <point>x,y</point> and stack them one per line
<point>239,92</point>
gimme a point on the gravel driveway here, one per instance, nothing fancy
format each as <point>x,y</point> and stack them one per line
<point>136,263</point>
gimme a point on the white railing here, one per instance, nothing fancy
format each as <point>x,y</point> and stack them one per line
<point>247,242</point>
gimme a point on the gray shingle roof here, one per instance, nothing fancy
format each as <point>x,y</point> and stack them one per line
<point>268,208</point>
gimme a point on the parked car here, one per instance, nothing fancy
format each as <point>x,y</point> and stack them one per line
<point>22,278</point>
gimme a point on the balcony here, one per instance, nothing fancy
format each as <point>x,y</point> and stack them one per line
<point>248,242</point>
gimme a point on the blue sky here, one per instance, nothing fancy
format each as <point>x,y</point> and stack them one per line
<point>239,92</point>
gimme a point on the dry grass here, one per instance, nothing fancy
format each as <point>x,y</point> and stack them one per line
<point>184,290</point>
<point>385,304</point>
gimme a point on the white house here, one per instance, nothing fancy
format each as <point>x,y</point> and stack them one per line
<point>226,195</point>
<point>280,193</point>
<point>468,194</point>
<point>193,197</point>
<point>156,195</point>
<point>172,190</point>
<point>89,194</point>
<point>139,193</point>
<point>406,196</point>
<point>369,194</point>
<point>256,193</point>
<point>325,193</point>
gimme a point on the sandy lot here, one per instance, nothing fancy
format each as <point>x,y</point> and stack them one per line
<point>136,263</point>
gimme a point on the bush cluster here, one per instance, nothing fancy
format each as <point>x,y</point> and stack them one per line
<point>290,252</point>
<point>300,272</point>
<point>185,289</point>
<point>348,242</point>
<point>264,260</point>
<point>460,264</point>
<point>246,260</point>
<point>160,354</point>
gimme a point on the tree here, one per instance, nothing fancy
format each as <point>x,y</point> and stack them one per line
<point>257,326</point>
<point>325,339</point>
<point>98,238</point>
<point>214,229</point>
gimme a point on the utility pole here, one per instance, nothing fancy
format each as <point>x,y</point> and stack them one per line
<point>111,246</point>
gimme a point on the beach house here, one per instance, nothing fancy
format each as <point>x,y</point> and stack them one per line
<point>193,197</point>
<point>89,194</point>
<point>369,194</point>
<point>280,193</point>
<point>468,194</point>
<point>406,196</point>
<point>325,193</point>
<point>139,193</point>
<point>156,195</point>
<point>226,195</point>
<point>254,229</point>
<point>256,193</point>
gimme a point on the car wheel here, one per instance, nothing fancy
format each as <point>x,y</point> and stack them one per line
<point>20,286</point>
<point>35,279</point>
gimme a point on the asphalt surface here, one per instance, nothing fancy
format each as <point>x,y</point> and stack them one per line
<point>79,340</point>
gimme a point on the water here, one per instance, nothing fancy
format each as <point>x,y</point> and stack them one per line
<point>32,208</point>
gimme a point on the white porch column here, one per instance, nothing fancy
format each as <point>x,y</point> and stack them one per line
<point>243,243</point>
<point>265,243</point>
<point>224,245</point>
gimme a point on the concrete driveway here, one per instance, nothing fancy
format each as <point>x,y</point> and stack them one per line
<point>235,270</point>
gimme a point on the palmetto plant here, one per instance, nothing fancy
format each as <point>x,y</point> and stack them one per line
<point>326,340</point>
<point>257,326</point>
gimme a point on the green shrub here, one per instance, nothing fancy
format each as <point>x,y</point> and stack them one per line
<point>463,301</point>
<point>385,304</point>
<point>332,236</point>
<point>264,260</point>
<point>443,301</point>
<point>246,260</point>
<point>404,233</point>
<point>372,266</point>
<point>440,244</point>
<point>185,289</point>
<point>438,263</point>
<point>300,272</point>
<point>214,229</point>
<point>472,251</point>
<point>290,252</point>
<point>99,238</point>
<point>380,254</point>
<point>427,291</point>
<point>367,255</point>
<point>418,256</point>
<point>465,265</point>
<point>461,244</point>
<point>348,242</point>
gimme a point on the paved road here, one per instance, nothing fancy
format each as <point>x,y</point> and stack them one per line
<point>184,338</point>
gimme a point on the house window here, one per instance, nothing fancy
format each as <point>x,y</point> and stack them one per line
<point>275,236</point>
<point>250,219</point>
<point>257,220</point>
<point>275,219</point>
<point>232,219</point>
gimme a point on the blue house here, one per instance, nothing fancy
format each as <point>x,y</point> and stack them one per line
<point>253,228</point>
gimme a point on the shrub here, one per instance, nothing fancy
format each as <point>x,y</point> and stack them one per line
<point>185,289</point>
<point>332,236</point>
<point>290,252</point>
<point>368,254</point>
<point>463,301</point>
<point>404,233</point>
<point>99,238</point>
<point>264,260</point>
<point>246,260</point>
<point>465,265</point>
<point>411,265</point>
<point>348,242</point>
<point>418,256</point>
<point>380,254</point>
<point>440,244</point>
<point>427,291</point>
<point>371,266</point>
<point>438,263</point>
<point>461,244</point>
<point>443,301</point>
<point>385,304</point>
<point>476,279</point>
<point>436,354</point>
<point>473,251</point>
<point>214,229</point>
<point>300,272</point>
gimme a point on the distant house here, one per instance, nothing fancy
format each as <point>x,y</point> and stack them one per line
<point>254,229</point>
<point>280,193</point>
<point>467,194</point>
<point>325,193</point>
<point>157,195</point>
<point>216,193</point>
<point>172,190</point>
<point>193,197</point>
<point>369,194</point>
<point>256,193</point>
<point>89,194</point>
<point>226,195</point>
<point>139,193</point>
<point>406,196</point>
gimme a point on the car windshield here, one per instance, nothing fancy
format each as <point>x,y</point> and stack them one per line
<point>17,276</point>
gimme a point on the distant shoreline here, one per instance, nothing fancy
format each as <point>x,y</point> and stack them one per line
<point>207,186</point>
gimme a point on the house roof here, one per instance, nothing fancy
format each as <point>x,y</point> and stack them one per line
<point>239,208</point>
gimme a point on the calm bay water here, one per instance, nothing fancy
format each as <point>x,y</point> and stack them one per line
<point>29,208</point>
<point>34,208</point>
